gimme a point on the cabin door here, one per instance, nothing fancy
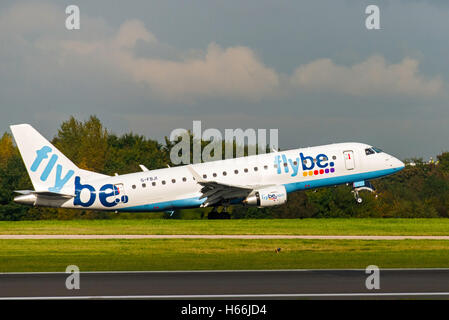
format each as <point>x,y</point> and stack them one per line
<point>349,159</point>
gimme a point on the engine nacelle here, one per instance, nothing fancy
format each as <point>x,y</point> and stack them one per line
<point>267,197</point>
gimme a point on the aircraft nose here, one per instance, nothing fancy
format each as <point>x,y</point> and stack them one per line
<point>399,164</point>
<point>395,163</point>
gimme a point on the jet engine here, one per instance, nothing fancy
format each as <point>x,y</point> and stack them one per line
<point>267,197</point>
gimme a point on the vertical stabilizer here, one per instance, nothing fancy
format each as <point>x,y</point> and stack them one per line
<point>48,168</point>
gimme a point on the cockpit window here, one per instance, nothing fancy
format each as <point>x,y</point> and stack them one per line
<point>376,149</point>
<point>369,151</point>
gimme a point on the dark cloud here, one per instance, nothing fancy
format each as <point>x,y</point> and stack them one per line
<point>310,69</point>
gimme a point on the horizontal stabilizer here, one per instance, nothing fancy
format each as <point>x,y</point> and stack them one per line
<point>45,194</point>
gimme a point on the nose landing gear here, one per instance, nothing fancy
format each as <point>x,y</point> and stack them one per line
<point>358,198</point>
<point>360,186</point>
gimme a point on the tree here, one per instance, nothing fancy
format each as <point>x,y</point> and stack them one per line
<point>126,152</point>
<point>85,143</point>
<point>13,176</point>
<point>7,149</point>
<point>443,162</point>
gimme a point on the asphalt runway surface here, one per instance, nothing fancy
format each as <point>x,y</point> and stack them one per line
<point>276,284</point>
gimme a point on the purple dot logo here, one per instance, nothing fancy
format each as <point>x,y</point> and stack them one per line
<point>332,170</point>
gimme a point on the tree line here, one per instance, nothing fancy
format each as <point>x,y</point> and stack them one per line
<point>420,190</point>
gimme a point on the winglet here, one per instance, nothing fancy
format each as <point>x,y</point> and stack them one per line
<point>143,167</point>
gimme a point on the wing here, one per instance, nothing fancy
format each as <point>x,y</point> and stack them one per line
<point>216,192</point>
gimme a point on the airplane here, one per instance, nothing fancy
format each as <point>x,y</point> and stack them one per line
<point>262,180</point>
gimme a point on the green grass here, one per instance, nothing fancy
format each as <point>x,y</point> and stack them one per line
<point>208,254</point>
<point>436,226</point>
<point>194,254</point>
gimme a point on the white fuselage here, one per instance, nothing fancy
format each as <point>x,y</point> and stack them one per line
<point>174,188</point>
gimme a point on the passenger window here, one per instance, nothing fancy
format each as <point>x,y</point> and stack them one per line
<point>224,173</point>
<point>154,183</point>
<point>134,186</point>
<point>236,171</point>
<point>246,170</point>
<point>204,176</point>
<point>173,180</point>
<point>163,181</point>
<point>214,174</point>
<point>144,185</point>
<point>265,167</point>
<point>184,179</point>
<point>255,168</point>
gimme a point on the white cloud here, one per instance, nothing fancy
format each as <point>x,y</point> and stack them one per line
<point>217,72</point>
<point>232,72</point>
<point>130,32</point>
<point>370,77</point>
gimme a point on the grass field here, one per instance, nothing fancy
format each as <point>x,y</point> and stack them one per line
<point>183,254</point>
<point>270,226</point>
<point>224,254</point>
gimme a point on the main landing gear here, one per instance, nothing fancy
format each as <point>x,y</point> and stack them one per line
<point>361,186</point>
<point>214,214</point>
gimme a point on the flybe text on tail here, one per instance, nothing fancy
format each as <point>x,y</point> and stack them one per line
<point>60,181</point>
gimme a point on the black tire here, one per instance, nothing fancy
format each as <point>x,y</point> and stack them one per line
<point>225,215</point>
<point>212,215</point>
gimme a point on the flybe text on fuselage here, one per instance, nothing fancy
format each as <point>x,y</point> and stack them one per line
<point>109,195</point>
<point>310,166</point>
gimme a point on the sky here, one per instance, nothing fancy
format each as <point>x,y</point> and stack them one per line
<point>308,68</point>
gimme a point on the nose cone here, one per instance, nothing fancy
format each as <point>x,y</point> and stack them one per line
<point>395,163</point>
<point>399,164</point>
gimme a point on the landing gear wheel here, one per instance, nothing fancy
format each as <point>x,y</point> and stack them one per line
<point>358,199</point>
<point>225,215</point>
<point>213,214</point>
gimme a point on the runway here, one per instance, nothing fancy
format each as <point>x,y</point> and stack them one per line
<point>211,236</point>
<point>277,284</point>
